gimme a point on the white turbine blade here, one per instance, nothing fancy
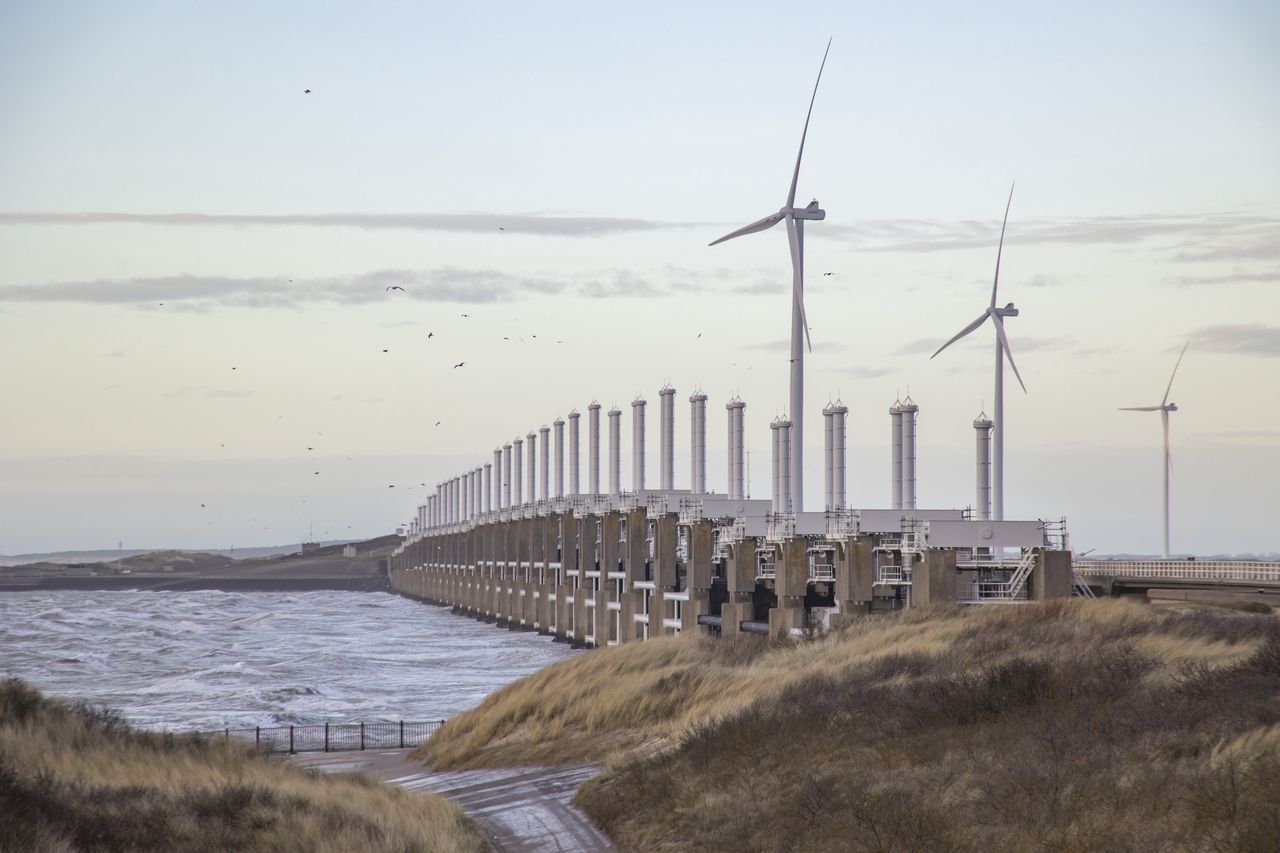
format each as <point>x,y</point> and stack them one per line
<point>760,225</point>
<point>1004,343</point>
<point>797,283</point>
<point>1175,373</point>
<point>795,177</point>
<point>1139,409</point>
<point>1000,249</point>
<point>966,330</point>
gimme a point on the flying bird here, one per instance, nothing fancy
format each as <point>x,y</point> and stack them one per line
<point>466,315</point>
<point>459,364</point>
<point>500,228</point>
<point>828,273</point>
<point>395,287</point>
<point>202,506</point>
<point>317,472</point>
<point>431,334</point>
<point>306,91</point>
<point>390,487</point>
<point>437,423</point>
<point>385,350</point>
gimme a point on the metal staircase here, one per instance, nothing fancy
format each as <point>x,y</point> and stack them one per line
<point>1010,590</point>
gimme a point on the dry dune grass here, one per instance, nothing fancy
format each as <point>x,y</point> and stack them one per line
<point>78,779</point>
<point>1065,725</point>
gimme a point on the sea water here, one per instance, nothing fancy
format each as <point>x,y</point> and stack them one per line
<point>209,659</point>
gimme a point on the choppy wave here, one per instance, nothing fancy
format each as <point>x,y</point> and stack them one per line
<point>208,659</point>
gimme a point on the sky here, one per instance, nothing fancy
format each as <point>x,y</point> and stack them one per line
<point>200,348</point>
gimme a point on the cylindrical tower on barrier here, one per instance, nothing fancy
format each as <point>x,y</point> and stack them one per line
<point>775,460</point>
<point>895,428</point>
<point>593,448</point>
<point>468,495</point>
<point>544,447</point>
<point>736,411</point>
<point>637,444</point>
<point>506,477</point>
<point>575,483</point>
<point>531,448</point>
<point>982,428</point>
<point>909,410</point>
<point>496,501</point>
<point>667,438</point>
<point>479,501</point>
<point>698,443</point>
<point>517,473</point>
<point>828,458</point>
<point>464,496</point>
<point>558,425</point>
<point>488,487</point>
<point>839,418</point>
<point>615,451</point>
<point>786,501</point>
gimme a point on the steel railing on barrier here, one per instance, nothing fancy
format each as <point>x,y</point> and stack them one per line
<point>335,737</point>
<point>1225,570</point>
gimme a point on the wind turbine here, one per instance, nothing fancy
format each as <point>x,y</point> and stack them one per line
<point>795,218</point>
<point>1164,409</point>
<point>997,315</point>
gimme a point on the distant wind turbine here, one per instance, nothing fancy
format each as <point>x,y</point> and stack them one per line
<point>1164,409</point>
<point>795,219</point>
<point>997,316</point>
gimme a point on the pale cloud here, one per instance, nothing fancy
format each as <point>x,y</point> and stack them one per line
<point>469,222</point>
<point>443,284</point>
<point>1202,236</point>
<point>1211,236</point>
<point>1243,339</point>
<point>1271,276</point>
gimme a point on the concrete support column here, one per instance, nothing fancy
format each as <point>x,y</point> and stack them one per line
<point>544,447</point>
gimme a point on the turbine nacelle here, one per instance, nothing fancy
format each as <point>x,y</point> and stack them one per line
<point>1007,311</point>
<point>811,211</point>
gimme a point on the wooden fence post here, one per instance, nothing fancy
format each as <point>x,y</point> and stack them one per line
<point>362,735</point>
<point>326,737</point>
<point>402,734</point>
<point>291,740</point>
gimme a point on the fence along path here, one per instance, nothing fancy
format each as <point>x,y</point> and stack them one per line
<point>335,737</point>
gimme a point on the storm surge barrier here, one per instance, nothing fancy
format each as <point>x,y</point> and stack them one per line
<point>335,737</point>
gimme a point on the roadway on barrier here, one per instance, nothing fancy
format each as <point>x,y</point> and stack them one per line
<point>520,809</point>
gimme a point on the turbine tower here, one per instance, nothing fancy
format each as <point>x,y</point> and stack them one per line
<point>1164,409</point>
<point>997,315</point>
<point>795,219</point>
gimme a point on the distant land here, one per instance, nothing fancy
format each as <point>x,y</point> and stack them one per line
<point>107,555</point>
<point>351,565</point>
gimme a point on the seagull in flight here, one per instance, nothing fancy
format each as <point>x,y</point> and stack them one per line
<point>306,91</point>
<point>395,287</point>
<point>431,334</point>
<point>459,364</point>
